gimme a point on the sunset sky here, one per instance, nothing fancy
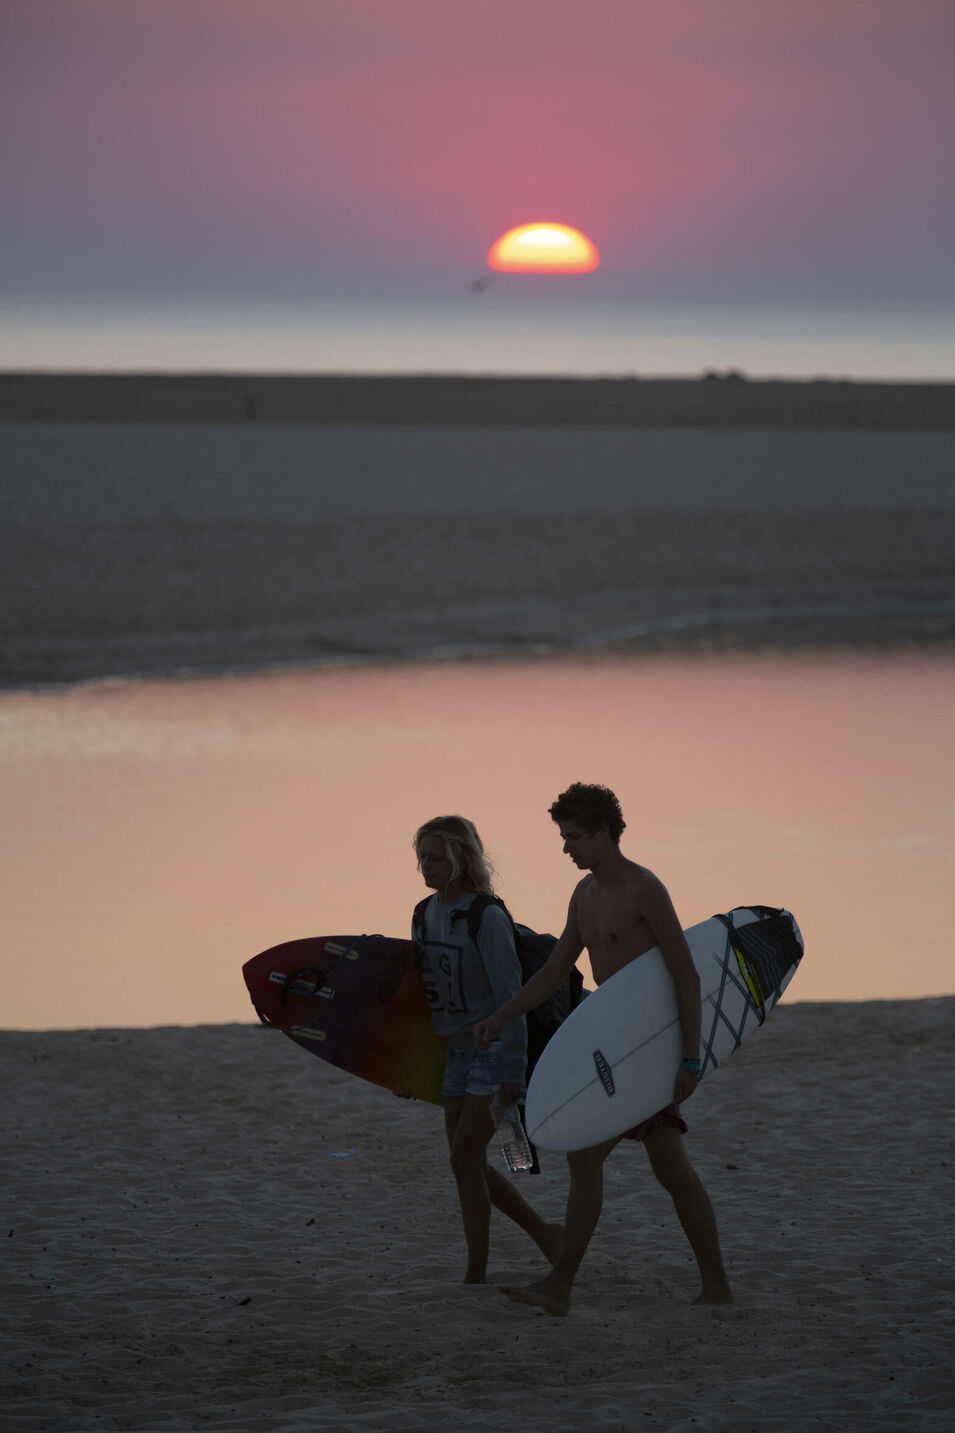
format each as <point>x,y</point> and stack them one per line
<point>331,154</point>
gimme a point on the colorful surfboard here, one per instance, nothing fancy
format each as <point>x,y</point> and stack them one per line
<point>355,1001</point>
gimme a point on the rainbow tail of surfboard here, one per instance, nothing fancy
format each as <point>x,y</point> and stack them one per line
<point>357,1002</point>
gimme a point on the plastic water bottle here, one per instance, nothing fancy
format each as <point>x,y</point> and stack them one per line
<point>519,1155</point>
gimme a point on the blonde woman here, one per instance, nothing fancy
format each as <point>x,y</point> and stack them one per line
<point>466,981</point>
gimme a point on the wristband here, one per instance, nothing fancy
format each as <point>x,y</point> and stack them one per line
<point>694,1065</point>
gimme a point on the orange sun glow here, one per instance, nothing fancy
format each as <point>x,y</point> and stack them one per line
<point>543,248</point>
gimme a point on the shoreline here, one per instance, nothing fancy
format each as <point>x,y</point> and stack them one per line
<point>48,666</point>
<point>718,400</point>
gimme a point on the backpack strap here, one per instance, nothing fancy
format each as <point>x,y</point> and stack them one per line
<point>475,914</point>
<point>417,929</point>
<point>417,917</point>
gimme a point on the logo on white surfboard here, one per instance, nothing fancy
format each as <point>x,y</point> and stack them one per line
<point>604,1072</point>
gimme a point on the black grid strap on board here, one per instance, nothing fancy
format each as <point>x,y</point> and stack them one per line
<point>756,958</point>
<point>770,949</point>
<point>730,976</point>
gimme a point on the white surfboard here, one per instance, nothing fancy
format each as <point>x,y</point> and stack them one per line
<point>614,1060</point>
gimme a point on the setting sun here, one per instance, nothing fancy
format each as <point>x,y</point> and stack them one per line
<point>543,248</point>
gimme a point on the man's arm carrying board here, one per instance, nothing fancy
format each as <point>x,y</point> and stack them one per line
<point>613,1061</point>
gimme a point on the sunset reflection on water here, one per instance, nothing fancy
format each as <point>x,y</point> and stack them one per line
<point>158,834</point>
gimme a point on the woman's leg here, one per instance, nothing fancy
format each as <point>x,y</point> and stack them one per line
<point>467,1121</point>
<point>469,1128</point>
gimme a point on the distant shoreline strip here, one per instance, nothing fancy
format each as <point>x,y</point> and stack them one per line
<point>719,400</point>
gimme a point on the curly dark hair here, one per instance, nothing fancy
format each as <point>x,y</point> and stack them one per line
<point>591,807</point>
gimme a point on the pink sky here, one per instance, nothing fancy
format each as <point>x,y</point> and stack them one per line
<point>732,149</point>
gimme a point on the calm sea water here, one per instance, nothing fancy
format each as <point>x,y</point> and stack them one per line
<point>498,331</point>
<point>156,835</point>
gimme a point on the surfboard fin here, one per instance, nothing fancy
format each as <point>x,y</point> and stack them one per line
<point>295,983</point>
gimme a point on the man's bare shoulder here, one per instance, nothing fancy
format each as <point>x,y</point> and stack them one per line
<point>642,879</point>
<point>582,886</point>
<point>646,893</point>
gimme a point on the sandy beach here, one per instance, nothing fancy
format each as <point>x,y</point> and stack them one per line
<point>206,1228</point>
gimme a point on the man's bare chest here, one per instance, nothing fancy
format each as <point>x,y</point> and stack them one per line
<point>614,931</point>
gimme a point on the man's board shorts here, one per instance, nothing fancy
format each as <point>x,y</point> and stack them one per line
<point>669,1118</point>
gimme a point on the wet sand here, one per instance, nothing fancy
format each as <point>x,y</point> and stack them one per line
<point>152,529</point>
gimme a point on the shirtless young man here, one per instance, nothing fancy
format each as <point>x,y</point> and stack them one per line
<point>619,911</point>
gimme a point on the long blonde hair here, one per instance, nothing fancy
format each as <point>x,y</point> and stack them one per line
<point>463,848</point>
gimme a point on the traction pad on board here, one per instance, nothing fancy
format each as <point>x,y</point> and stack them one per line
<point>766,949</point>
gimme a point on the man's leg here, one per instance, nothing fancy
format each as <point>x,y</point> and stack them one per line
<point>506,1197</point>
<point>584,1203</point>
<point>673,1169</point>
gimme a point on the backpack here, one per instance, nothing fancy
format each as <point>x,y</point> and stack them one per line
<point>533,950</point>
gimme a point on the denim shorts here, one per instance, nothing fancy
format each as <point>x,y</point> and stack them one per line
<point>472,1071</point>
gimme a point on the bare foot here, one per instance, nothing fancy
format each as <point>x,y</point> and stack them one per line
<point>541,1296</point>
<point>715,1294</point>
<point>474,1279</point>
